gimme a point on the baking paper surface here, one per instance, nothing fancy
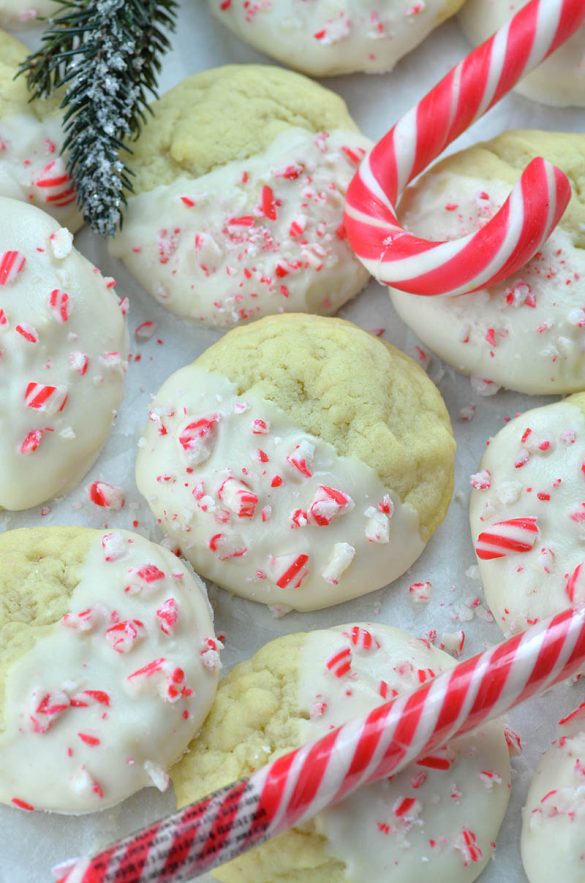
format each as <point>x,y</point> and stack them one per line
<point>30,845</point>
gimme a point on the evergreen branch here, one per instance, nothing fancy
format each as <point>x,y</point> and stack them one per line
<point>106,56</point>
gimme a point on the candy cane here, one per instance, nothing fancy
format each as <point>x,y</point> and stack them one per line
<point>524,223</point>
<point>300,784</point>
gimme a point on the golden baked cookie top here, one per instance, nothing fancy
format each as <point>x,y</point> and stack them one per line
<point>362,395</point>
<point>228,113</point>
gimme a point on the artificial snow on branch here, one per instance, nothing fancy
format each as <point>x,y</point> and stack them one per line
<point>105,56</point>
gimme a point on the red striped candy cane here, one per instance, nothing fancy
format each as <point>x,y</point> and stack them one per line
<point>302,783</point>
<point>523,224</point>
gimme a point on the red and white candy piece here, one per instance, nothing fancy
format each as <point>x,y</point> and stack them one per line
<point>168,616</point>
<point>198,438</point>
<point>32,441</point>
<point>515,535</point>
<point>340,560</point>
<point>122,636</point>
<point>210,650</point>
<point>328,504</point>
<point>340,663</point>
<point>289,571</point>
<point>108,496</point>
<point>149,576</point>
<point>48,709</point>
<point>84,621</point>
<point>114,546</point>
<point>60,305</point>
<point>237,497</point>
<point>11,264</point>
<point>163,677</point>
<point>521,227</point>
<point>45,398</point>
<point>53,184</point>
<point>301,458</point>
<point>575,586</point>
<point>362,639</point>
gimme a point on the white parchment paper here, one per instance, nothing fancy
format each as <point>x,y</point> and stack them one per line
<point>30,845</point>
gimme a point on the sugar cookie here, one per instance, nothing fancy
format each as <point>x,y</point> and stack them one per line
<point>299,461</point>
<point>64,344</point>
<point>31,167</point>
<point>239,213</point>
<point>108,666</point>
<point>553,831</point>
<point>327,37</point>
<point>437,820</point>
<point>528,515</point>
<point>525,333</point>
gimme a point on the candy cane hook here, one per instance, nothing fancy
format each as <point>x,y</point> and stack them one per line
<point>526,220</point>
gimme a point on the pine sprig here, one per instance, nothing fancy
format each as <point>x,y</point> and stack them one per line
<point>106,57</point>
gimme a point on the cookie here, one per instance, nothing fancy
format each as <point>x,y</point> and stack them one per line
<point>559,81</point>
<point>528,515</point>
<point>525,333</point>
<point>553,840</point>
<point>64,343</point>
<point>239,192</point>
<point>324,38</point>
<point>108,666</point>
<point>436,820</point>
<point>299,461</point>
<point>21,14</point>
<point>31,166</point>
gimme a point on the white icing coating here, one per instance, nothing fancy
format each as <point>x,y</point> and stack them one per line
<point>553,831</point>
<point>436,820</point>
<point>559,81</point>
<point>31,168</point>
<point>252,237</point>
<point>63,344</point>
<point>328,37</point>
<point>22,13</point>
<point>533,468</point>
<point>84,728</point>
<point>262,507</point>
<point>525,333</point>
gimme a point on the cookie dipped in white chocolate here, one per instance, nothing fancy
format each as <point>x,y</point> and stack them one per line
<point>560,80</point>
<point>264,508</point>
<point>106,696</point>
<point>63,342</point>
<point>525,333</point>
<point>436,820</point>
<point>553,830</point>
<point>252,237</point>
<point>31,137</point>
<point>327,37</point>
<point>527,515</point>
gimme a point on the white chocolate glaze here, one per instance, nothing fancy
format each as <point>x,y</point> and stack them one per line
<point>327,37</point>
<point>84,726</point>
<point>436,820</point>
<point>257,236</point>
<point>559,81</point>
<point>553,831</point>
<point>533,468</point>
<point>63,345</point>
<point>31,168</point>
<point>525,333</point>
<point>263,508</point>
